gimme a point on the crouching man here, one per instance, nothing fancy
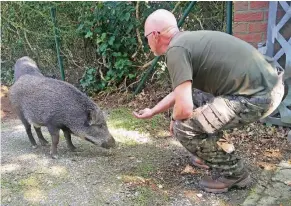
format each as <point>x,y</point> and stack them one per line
<point>219,82</point>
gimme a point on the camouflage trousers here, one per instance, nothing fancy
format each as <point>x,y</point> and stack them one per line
<point>202,134</point>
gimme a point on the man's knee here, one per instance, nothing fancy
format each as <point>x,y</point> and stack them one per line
<point>189,137</point>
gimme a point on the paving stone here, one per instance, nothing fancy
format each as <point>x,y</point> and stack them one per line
<point>273,191</point>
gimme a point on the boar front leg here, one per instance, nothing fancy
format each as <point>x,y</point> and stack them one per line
<point>68,137</point>
<point>28,130</point>
<point>55,134</point>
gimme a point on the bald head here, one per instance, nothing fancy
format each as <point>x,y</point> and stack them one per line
<point>160,27</point>
<point>160,20</point>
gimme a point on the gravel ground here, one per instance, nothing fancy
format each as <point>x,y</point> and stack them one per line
<point>140,171</point>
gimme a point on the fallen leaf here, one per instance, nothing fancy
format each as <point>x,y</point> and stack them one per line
<point>199,195</point>
<point>227,147</point>
<point>189,170</point>
<point>133,179</point>
<point>267,166</point>
<point>274,153</point>
<point>192,195</point>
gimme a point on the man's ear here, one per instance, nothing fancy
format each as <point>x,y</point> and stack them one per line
<point>156,35</point>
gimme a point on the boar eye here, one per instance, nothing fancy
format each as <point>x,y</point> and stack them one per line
<point>100,126</point>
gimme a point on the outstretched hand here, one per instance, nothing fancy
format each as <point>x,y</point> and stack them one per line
<point>144,114</point>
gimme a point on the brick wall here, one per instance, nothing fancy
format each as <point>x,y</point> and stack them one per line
<point>251,20</point>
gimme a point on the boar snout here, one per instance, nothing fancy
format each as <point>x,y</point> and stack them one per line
<point>110,143</point>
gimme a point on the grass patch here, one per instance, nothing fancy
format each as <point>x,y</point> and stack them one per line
<point>31,181</point>
<point>223,203</point>
<point>147,196</point>
<point>12,186</point>
<point>130,142</point>
<point>252,191</point>
<point>144,170</point>
<point>4,126</point>
<point>123,118</point>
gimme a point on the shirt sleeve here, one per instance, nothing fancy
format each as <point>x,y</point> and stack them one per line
<point>179,65</point>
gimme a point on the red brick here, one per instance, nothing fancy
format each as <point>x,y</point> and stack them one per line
<point>241,5</point>
<point>240,27</point>
<point>250,38</point>
<point>259,4</point>
<point>258,27</point>
<point>248,16</point>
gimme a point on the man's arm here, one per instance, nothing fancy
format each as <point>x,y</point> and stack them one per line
<point>179,63</point>
<point>180,98</point>
<point>162,106</point>
<point>183,101</point>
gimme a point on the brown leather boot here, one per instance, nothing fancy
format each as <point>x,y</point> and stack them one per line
<point>223,183</point>
<point>196,161</point>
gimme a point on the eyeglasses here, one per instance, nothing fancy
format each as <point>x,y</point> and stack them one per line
<point>146,37</point>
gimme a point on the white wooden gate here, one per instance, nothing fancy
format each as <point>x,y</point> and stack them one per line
<point>279,35</point>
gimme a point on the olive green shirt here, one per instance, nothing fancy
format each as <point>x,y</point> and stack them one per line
<point>219,63</point>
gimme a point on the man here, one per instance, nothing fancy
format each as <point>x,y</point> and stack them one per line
<point>219,82</point>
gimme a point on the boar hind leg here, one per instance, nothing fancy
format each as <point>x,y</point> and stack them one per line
<point>42,140</point>
<point>54,132</point>
<point>28,130</point>
<point>69,139</point>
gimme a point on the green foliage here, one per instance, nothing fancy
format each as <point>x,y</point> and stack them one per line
<point>7,76</point>
<point>147,196</point>
<point>99,40</point>
<point>111,27</point>
<point>89,81</point>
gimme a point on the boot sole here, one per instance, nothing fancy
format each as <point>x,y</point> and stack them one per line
<point>242,184</point>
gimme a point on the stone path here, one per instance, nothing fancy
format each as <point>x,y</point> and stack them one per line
<point>273,188</point>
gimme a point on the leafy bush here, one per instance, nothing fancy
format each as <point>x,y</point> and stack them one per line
<point>111,27</point>
<point>101,42</point>
<point>7,76</point>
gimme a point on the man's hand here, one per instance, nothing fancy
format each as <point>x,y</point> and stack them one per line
<point>166,103</point>
<point>144,114</point>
